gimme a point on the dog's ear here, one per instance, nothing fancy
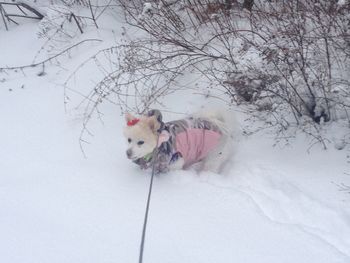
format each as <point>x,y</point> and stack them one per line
<point>153,123</point>
<point>129,117</point>
<point>155,113</point>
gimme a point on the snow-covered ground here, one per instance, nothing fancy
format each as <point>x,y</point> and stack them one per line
<point>273,204</point>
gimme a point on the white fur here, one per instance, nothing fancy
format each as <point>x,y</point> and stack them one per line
<point>145,131</point>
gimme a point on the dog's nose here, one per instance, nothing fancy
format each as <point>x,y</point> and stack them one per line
<point>129,153</point>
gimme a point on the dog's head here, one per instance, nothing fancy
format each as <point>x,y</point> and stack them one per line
<point>141,135</point>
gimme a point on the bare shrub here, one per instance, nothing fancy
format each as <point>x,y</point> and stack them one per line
<point>287,58</point>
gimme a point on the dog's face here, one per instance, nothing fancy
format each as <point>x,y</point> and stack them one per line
<point>141,136</point>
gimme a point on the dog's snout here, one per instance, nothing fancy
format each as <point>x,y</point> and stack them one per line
<point>129,153</point>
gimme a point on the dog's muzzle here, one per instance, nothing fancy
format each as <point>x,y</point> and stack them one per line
<point>129,153</point>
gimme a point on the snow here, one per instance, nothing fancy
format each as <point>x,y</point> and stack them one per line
<point>342,2</point>
<point>147,10</point>
<point>273,204</point>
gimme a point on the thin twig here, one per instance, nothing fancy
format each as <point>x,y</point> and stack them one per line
<point>50,58</point>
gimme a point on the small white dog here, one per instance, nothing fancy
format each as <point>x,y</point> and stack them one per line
<point>203,138</point>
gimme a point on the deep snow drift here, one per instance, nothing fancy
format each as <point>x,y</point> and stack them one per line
<point>273,204</point>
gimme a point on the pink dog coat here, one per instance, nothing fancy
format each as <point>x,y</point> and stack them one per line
<point>191,139</point>
<point>195,144</point>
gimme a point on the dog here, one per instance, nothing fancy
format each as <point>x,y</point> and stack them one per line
<point>205,139</point>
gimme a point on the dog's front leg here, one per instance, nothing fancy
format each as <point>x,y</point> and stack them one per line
<point>177,165</point>
<point>166,162</point>
<point>176,162</point>
<point>161,164</point>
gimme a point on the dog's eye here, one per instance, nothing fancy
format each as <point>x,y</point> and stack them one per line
<point>140,142</point>
<point>129,140</point>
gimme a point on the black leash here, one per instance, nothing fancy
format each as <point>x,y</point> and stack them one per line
<point>147,206</point>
